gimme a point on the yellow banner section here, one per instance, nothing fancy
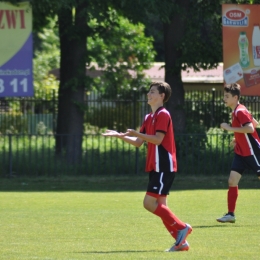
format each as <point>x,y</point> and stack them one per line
<point>15,28</point>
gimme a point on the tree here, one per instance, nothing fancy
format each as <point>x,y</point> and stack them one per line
<point>77,21</point>
<point>73,30</point>
<point>46,58</point>
<point>191,30</point>
<point>123,52</point>
<point>154,28</point>
<point>197,44</point>
<point>192,39</point>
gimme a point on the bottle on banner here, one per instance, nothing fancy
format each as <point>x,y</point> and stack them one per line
<point>256,44</point>
<point>243,50</point>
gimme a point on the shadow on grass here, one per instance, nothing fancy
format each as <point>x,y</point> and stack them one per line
<point>216,226</point>
<point>118,252</point>
<point>118,183</point>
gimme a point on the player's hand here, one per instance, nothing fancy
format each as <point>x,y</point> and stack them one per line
<point>225,126</point>
<point>111,133</point>
<point>233,143</point>
<point>130,132</point>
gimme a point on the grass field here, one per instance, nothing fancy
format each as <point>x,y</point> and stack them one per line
<point>103,219</point>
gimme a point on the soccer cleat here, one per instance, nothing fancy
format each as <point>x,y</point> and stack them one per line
<point>182,234</point>
<point>184,247</point>
<point>227,218</point>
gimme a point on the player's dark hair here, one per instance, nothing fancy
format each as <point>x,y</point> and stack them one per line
<point>233,89</point>
<point>162,87</point>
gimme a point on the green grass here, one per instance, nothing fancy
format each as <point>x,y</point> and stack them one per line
<point>103,219</point>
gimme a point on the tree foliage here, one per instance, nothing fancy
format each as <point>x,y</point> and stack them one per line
<point>122,52</point>
<point>191,33</point>
<point>46,58</point>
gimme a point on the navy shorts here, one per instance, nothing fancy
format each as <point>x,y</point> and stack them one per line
<point>160,182</point>
<point>242,163</point>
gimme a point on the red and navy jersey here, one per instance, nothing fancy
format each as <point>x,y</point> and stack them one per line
<point>160,158</point>
<point>246,143</point>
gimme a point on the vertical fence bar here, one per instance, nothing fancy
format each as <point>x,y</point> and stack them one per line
<point>53,112</point>
<point>134,127</point>
<point>10,155</point>
<point>213,108</point>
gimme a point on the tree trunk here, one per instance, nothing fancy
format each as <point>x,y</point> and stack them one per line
<point>173,35</point>
<point>73,37</point>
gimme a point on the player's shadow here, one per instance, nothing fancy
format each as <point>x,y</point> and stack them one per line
<point>116,252</point>
<point>214,226</point>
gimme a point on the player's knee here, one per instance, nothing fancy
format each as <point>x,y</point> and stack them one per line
<point>148,205</point>
<point>230,181</point>
<point>234,178</point>
<point>233,182</point>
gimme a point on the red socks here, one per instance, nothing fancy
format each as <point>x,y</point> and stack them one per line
<point>232,198</point>
<point>167,216</point>
<point>171,229</point>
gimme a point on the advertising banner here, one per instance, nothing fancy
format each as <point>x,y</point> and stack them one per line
<point>241,47</point>
<point>16,50</point>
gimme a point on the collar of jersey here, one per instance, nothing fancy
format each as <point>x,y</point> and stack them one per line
<point>157,110</point>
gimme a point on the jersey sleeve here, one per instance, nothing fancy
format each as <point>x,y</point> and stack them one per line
<point>142,129</point>
<point>244,117</point>
<point>162,122</point>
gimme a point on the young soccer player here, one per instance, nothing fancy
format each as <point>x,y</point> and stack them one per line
<point>157,131</point>
<point>246,146</point>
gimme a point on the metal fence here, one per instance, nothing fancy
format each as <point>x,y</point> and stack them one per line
<point>34,156</point>
<point>27,140</point>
